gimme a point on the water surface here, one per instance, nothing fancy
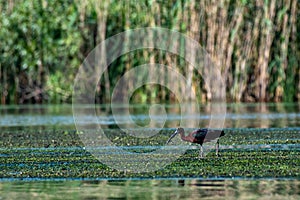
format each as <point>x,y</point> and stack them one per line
<point>252,120</point>
<point>237,115</point>
<point>152,189</point>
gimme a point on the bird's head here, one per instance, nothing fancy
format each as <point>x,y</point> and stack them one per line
<point>178,131</point>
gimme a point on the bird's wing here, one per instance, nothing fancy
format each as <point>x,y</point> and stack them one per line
<point>213,134</point>
<point>199,134</point>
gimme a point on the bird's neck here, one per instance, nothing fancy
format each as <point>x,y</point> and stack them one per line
<point>183,137</point>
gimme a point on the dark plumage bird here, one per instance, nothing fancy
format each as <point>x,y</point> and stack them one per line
<point>199,136</point>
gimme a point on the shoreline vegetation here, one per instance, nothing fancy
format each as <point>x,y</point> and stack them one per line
<point>255,45</point>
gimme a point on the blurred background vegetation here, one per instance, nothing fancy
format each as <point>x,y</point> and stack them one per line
<point>255,44</point>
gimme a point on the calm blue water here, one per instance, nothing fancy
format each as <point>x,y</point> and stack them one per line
<point>237,116</point>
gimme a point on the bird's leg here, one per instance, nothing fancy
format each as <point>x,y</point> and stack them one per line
<point>201,152</point>
<point>217,148</point>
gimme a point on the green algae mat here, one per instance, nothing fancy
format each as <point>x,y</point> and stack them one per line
<point>244,153</point>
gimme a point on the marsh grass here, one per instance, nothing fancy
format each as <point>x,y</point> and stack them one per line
<point>60,153</point>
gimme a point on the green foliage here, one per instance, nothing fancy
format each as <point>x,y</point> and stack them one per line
<point>39,39</point>
<point>42,44</point>
<point>289,88</point>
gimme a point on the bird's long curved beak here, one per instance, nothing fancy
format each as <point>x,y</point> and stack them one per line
<point>173,135</point>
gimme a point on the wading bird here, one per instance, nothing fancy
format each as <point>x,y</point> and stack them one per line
<point>199,136</point>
